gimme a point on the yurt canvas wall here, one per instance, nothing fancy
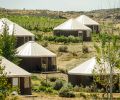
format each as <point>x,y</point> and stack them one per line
<point>17,76</point>
<point>35,57</point>
<point>83,73</point>
<point>89,22</point>
<point>73,28</point>
<point>22,35</point>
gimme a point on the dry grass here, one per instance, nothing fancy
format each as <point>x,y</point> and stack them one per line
<point>43,96</point>
<point>74,56</point>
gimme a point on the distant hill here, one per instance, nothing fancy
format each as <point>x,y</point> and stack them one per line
<point>103,14</point>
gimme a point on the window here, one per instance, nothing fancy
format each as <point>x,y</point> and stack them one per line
<point>54,60</point>
<point>88,34</point>
<point>26,82</point>
<point>15,82</point>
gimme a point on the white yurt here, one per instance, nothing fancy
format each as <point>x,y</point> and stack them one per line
<point>22,35</point>
<point>89,22</point>
<point>17,76</point>
<point>74,28</point>
<point>83,73</point>
<point>34,57</point>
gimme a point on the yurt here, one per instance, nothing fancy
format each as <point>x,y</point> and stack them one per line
<point>74,28</point>
<point>22,35</point>
<point>83,73</point>
<point>36,58</point>
<point>17,76</point>
<point>89,22</point>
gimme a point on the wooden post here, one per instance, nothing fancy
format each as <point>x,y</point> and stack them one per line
<point>119,82</point>
<point>24,39</point>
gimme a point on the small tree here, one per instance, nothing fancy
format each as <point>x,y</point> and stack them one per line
<point>5,88</point>
<point>7,45</point>
<point>108,54</point>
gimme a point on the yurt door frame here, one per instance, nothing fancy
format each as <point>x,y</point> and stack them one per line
<point>44,62</point>
<point>80,34</point>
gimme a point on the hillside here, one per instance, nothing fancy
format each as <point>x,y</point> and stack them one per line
<point>98,14</point>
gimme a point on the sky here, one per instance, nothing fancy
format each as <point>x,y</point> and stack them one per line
<point>60,5</point>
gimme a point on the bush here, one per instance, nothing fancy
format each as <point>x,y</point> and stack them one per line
<point>53,79</point>
<point>39,37</point>
<point>65,92</point>
<point>49,90</point>
<point>11,97</point>
<point>94,96</point>
<point>83,95</point>
<point>63,49</point>
<point>62,70</point>
<point>63,39</point>
<point>102,90</point>
<point>58,85</point>
<point>49,38</point>
<point>2,97</point>
<point>76,88</point>
<point>45,89</point>
<point>43,83</point>
<point>87,89</point>
<point>16,89</point>
<point>35,88</point>
<point>42,88</point>
<point>45,44</point>
<point>85,49</point>
<point>34,78</point>
<point>68,85</point>
<point>74,39</point>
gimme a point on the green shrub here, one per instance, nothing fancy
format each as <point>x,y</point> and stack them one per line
<point>15,88</point>
<point>42,88</point>
<point>63,39</point>
<point>43,83</point>
<point>83,95</point>
<point>101,90</point>
<point>63,49</point>
<point>52,79</point>
<point>94,96</point>
<point>45,44</point>
<point>76,88</point>
<point>39,37</point>
<point>35,88</point>
<point>87,89</point>
<point>49,90</point>
<point>74,39</point>
<point>68,85</point>
<point>85,49</point>
<point>81,88</point>
<point>65,92</point>
<point>34,78</point>
<point>58,85</point>
<point>12,97</point>
<point>49,38</point>
<point>2,97</point>
<point>62,70</point>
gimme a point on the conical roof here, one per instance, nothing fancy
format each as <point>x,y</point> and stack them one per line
<point>12,70</point>
<point>13,27</point>
<point>72,24</point>
<point>89,66</point>
<point>33,49</point>
<point>86,20</point>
